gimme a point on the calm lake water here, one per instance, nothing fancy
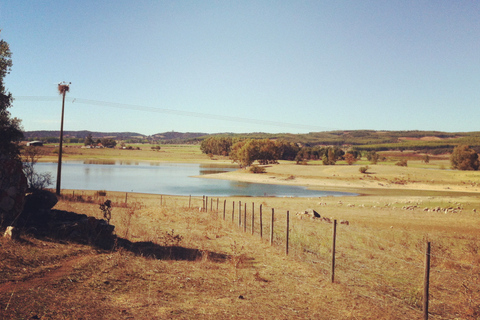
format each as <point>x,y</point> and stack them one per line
<point>166,178</point>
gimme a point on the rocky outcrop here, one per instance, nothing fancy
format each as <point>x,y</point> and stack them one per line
<point>13,185</point>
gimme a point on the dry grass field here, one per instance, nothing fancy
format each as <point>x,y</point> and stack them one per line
<point>196,264</point>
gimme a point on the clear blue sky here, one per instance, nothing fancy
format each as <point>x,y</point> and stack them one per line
<point>245,66</point>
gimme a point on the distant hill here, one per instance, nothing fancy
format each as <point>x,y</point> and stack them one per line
<point>29,135</point>
<point>368,140</point>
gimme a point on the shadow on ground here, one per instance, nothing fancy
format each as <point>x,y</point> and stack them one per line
<point>65,226</point>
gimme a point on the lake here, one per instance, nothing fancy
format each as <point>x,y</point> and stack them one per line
<point>166,178</point>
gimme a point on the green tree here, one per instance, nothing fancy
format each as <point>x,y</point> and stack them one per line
<point>89,140</point>
<point>109,143</point>
<point>464,158</point>
<point>10,129</point>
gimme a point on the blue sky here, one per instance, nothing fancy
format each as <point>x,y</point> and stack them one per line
<point>245,66</point>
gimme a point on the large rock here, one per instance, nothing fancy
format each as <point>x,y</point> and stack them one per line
<point>13,185</point>
<point>312,213</point>
<point>36,209</point>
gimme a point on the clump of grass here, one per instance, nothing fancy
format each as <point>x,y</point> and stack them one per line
<point>169,239</point>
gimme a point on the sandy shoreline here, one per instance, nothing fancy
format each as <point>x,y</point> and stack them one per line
<point>339,184</point>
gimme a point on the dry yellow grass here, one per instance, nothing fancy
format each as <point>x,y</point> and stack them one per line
<point>238,275</point>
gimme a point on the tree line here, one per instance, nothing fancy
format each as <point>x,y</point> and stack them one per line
<point>268,151</point>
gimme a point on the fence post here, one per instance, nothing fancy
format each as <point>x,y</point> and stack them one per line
<point>261,223</point>
<point>189,201</point>
<point>271,227</point>
<point>211,204</point>
<point>206,203</point>
<point>217,205</point>
<point>239,213</point>
<point>161,200</point>
<point>224,208</point>
<point>426,282</point>
<point>333,248</point>
<point>288,231</point>
<point>233,211</point>
<point>245,218</point>
<point>126,197</point>
<point>253,217</point>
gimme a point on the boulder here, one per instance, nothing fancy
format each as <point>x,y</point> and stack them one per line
<point>13,185</point>
<point>11,233</point>
<point>312,213</point>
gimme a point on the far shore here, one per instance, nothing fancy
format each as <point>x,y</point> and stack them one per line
<point>380,179</point>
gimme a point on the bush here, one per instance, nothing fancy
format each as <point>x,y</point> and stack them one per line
<point>363,169</point>
<point>401,163</point>
<point>257,169</point>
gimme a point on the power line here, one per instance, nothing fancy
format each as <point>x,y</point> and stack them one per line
<point>175,112</point>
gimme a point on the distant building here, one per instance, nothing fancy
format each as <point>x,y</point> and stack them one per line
<point>35,144</point>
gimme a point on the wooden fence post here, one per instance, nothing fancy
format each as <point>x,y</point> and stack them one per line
<point>161,200</point>
<point>190,202</point>
<point>253,217</point>
<point>333,248</point>
<point>261,223</point>
<point>126,197</point>
<point>233,211</point>
<point>217,205</point>
<point>426,282</point>
<point>224,208</point>
<point>211,204</point>
<point>245,218</point>
<point>287,231</point>
<point>206,203</point>
<point>239,213</point>
<point>271,227</point>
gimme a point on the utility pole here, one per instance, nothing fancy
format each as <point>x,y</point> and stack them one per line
<point>63,88</point>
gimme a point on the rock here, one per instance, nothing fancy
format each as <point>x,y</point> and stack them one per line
<point>12,190</point>
<point>312,213</point>
<point>11,233</point>
<point>40,200</point>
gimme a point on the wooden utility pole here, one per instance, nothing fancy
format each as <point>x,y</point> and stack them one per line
<point>63,88</point>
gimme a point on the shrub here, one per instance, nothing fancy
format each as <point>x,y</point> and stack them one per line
<point>257,169</point>
<point>402,163</point>
<point>363,169</point>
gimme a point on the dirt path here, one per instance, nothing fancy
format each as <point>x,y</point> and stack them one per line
<point>46,274</point>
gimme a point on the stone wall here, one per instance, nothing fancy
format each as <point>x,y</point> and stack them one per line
<point>13,185</point>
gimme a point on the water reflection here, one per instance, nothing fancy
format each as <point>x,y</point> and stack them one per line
<point>167,178</point>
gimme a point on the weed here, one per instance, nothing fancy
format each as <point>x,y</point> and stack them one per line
<point>106,208</point>
<point>169,239</point>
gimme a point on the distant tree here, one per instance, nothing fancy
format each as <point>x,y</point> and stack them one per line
<point>89,140</point>
<point>350,158</point>
<point>109,143</point>
<point>332,155</point>
<point>10,129</point>
<point>373,157</point>
<point>464,158</point>
<point>426,158</point>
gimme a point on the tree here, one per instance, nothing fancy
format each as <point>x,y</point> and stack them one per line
<point>350,159</point>
<point>10,129</point>
<point>464,158</point>
<point>109,143</point>
<point>35,180</point>
<point>89,140</point>
<point>373,157</point>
